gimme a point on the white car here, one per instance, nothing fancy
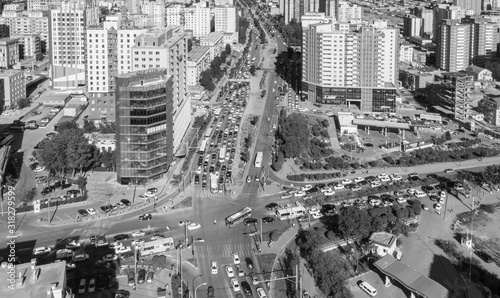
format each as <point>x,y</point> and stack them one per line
<point>214,267</point>
<point>236,259</point>
<point>375,184</point>
<point>385,179</point>
<point>441,200</point>
<point>359,179</point>
<point>41,250</point>
<point>299,194</point>
<point>306,187</point>
<point>109,258</point>
<point>412,191</point>
<point>338,186</point>
<point>401,200</point>
<point>73,244</point>
<point>115,245</point>
<point>39,169</point>
<point>123,249</point>
<point>91,211</point>
<point>420,194</point>
<point>315,213</point>
<point>138,233</point>
<point>235,284</point>
<point>442,194</point>
<point>229,271</point>
<point>329,193</point>
<point>380,176</point>
<point>396,177</point>
<point>438,206</point>
<point>308,197</point>
<point>80,257</point>
<point>346,181</point>
<point>261,293</point>
<point>151,192</point>
<point>92,285</point>
<point>193,226</point>
<point>356,188</point>
<point>326,188</point>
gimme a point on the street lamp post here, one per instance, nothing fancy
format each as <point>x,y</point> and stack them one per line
<point>194,289</point>
<point>203,284</point>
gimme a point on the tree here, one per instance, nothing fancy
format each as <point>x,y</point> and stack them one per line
<point>353,222</point>
<point>23,103</point>
<point>228,49</point>
<point>252,70</point>
<point>206,80</point>
<point>88,126</point>
<point>190,44</point>
<point>39,57</point>
<point>68,125</point>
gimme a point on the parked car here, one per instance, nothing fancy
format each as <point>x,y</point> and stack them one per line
<point>147,216</point>
<point>213,266</point>
<point>121,237</point>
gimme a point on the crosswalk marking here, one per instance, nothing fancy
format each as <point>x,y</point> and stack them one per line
<point>223,250</point>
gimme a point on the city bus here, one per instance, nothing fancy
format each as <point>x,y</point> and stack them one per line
<point>222,154</point>
<point>156,246</point>
<point>203,147</point>
<point>208,133</point>
<point>258,159</point>
<point>291,212</point>
<point>238,217</point>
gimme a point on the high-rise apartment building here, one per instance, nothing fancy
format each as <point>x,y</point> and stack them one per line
<point>197,19</point>
<point>42,5</point>
<point>427,16</point>
<point>347,12</point>
<point>292,9</point>
<point>446,12</point>
<point>155,11</point>
<point>116,59</point>
<point>412,26</point>
<point>224,2</point>
<point>9,52</point>
<point>344,64</point>
<point>226,19</point>
<point>133,6</point>
<point>144,125</point>
<point>167,48</point>
<point>473,5</point>
<point>67,26</point>
<point>31,22</point>
<point>483,39</point>
<point>453,46</point>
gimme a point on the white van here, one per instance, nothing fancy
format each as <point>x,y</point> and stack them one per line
<point>368,289</point>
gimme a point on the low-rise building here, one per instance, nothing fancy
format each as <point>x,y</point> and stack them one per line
<point>383,243</point>
<point>345,123</point>
<point>479,73</point>
<point>198,61</point>
<point>12,88</point>
<point>415,80</point>
<point>104,142</point>
<point>215,41</point>
<point>489,106</point>
<point>34,281</point>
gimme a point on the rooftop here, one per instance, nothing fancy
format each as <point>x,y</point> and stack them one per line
<point>376,123</point>
<point>411,278</point>
<point>213,37</point>
<point>10,72</point>
<point>34,281</point>
<point>197,52</point>
<point>383,238</point>
<point>345,118</point>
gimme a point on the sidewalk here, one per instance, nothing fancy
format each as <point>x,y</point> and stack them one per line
<point>404,171</point>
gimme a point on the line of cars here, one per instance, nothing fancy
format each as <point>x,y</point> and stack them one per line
<point>225,127</point>
<point>233,273</point>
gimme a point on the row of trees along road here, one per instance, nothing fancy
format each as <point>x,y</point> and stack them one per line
<point>215,71</point>
<point>69,150</point>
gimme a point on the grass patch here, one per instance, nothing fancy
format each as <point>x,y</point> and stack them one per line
<point>266,262</point>
<point>186,203</point>
<point>274,234</point>
<point>176,283</point>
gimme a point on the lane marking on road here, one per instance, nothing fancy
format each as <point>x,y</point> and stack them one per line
<point>68,216</point>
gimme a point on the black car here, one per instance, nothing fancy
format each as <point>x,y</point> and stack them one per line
<point>147,216</point>
<point>121,237</point>
<point>73,192</point>
<point>210,292</point>
<point>65,185</point>
<point>47,190</point>
<point>196,179</point>
<point>249,221</point>
<point>126,202</point>
<point>122,294</point>
<point>268,219</point>
<point>106,208</point>
<point>484,256</point>
<point>142,276</point>
<point>312,190</point>
<point>228,174</point>
<point>246,288</point>
<point>249,263</point>
<point>83,212</point>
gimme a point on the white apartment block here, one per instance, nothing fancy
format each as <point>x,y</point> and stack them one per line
<point>173,15</point>
<point>15,7</point>
<point>198,61</point>
<point>155,11</point>
<point>29,44</point>
<point>347,12</point>
<point>167,48</point>
<point>42,5</point>
<point>215,41</point>
<point>67,26</point>
<point>310,18</point>
<point>224,2</point>
<point>12,88</point>
<point>22,23</point>
<point>9,52</point>
<point>226,19</point>
<point>198,20</point>
<point>406,53</point>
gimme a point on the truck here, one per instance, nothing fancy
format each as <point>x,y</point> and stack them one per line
<point>64,253</point>
<point>213,183</point>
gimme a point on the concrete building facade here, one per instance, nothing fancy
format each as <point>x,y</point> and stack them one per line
<point>29,45</point>
<point>12,88</point>
<point>24,23</point>
<point>226,19</point>
<point>489,106</point>
<point>453,50</point>
<point>215,41</point>
<point>9,52</point>
<point>198,61</point>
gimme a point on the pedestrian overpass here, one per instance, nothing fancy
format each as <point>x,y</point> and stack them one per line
<point>415,282</point>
